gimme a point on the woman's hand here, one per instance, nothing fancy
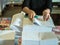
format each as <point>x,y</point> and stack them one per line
<point>31,14</point>
<point>46,14</point>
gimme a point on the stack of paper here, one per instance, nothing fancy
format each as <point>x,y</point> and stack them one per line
<point>36,28</point>
<point>38,38</point>
<point>36,35</point>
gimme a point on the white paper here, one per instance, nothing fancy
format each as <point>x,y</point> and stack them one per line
<point>41,42</point>
<point>30,36</point>
<point>35,28</point>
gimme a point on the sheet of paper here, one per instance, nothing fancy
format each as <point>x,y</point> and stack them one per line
<point>41,42</point>
<point>35,28</point>
<point>30,36</point>
<point>46,35</point>
<point>30,42</point>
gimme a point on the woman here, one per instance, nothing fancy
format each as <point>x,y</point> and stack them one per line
<point>37,7</point>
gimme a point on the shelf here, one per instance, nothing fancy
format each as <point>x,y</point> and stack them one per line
<point>56,10</point>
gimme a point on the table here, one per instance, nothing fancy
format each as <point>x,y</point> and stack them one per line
<point>7,37</point>
<point>25,21</point>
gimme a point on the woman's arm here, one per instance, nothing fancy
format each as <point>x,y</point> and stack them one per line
<point>27,10</point>
<point>47,11</point>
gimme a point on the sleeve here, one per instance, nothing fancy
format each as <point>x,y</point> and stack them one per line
<point>49,4</point>
<point>26,3</point>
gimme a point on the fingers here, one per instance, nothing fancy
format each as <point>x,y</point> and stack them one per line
<point>31,15</point>
<point>46,15</point>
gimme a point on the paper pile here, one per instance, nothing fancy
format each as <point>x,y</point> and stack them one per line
<point>34,38</point>
<point>36,35</point>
